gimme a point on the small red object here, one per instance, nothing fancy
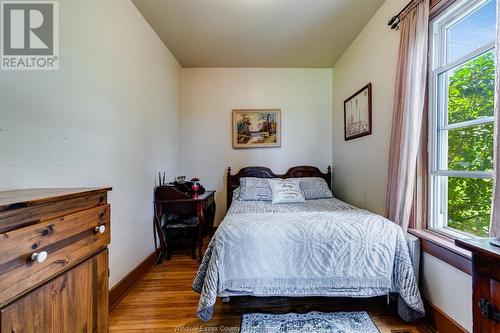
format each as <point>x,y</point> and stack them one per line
<point>196,185</point>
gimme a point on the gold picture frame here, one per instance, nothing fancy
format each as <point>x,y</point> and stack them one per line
<point>256,128</point>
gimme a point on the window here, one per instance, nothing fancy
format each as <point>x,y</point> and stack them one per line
<point>461,104</point>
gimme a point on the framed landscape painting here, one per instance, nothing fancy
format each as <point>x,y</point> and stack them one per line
<point>256,128</point>
<point>358,114</point>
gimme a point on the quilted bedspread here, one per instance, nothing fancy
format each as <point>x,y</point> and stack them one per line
<point>343,252</point>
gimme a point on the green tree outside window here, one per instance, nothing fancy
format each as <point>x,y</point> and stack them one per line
<point>471,96</point>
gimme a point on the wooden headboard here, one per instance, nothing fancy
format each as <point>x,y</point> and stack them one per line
<point>233,181</point>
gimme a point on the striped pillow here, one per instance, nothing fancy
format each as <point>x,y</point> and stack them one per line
<point>315,188</point>
<point>254,189</point>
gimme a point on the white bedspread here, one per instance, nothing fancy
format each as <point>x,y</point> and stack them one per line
<point>323,248</point>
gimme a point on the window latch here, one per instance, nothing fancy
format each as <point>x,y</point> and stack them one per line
<point>488,310</point>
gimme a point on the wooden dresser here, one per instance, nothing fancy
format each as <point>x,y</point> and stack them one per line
<point>485,284</point>
<point>54,260</point>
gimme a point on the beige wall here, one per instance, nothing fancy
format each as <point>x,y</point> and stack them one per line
<point>109,116</point>
<point>209,95</point>
<point>360,165</point>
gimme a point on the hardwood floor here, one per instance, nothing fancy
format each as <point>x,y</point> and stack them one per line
<point>165,302</point>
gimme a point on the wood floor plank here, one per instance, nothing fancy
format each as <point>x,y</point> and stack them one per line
<point>164,302</point>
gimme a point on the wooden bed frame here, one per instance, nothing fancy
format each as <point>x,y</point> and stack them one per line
<point>233,181</point>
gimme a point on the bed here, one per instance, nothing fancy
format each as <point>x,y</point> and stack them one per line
<point>322,247</point>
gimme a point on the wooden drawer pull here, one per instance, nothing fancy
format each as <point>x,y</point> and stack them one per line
<point>39,256</point>
<point>100,229</point>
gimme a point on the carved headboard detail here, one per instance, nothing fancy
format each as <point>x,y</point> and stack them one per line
<point>233,181</point>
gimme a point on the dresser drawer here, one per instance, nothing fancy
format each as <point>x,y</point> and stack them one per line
<point>74,302</point>
<point>66,240</point>
<point>26,214</point>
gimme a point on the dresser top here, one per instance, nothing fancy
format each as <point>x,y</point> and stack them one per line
<point>34,196</point>
<point>481,246</point>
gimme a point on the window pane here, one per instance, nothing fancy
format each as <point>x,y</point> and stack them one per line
<point>461,122</point>
<point>471,89</point>
<point>472,32</point>
<point>469,204</point>
<point>470,148</point>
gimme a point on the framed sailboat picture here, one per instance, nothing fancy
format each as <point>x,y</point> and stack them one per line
<point>256,128</point>
<point>358,114</point>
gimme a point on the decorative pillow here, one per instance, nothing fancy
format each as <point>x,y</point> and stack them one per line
<point>315,188</point>
<point>286,190</point>
<point>254,189</point>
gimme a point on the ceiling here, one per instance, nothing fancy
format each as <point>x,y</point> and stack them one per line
<point>257,33</point>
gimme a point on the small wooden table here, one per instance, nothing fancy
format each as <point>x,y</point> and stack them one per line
<point>169,199</point>
<point>485,284</point>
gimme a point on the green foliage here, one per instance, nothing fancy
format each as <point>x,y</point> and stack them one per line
<point>471,90</point>
<point>471,96</point>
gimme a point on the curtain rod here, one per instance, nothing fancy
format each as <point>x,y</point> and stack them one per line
<point>394,21</point>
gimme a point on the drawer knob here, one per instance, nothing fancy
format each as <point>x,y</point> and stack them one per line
<point>39,256</point>
<point>100,229</point>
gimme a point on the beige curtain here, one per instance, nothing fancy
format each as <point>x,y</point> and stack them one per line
<point>409,103</point>
<point>495,216</point>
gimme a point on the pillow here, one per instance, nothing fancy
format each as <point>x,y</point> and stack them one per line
<point>315,188</point>
<point>236,193</point>
<point>254,189</point>
<point>286,190</point>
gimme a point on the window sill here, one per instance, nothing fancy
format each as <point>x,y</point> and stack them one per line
<point>444,249</point>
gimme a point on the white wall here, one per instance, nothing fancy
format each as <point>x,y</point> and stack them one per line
<point>360,165</point>
<point>109,116</point>
<point>448,288</point>
<point>209,96</point>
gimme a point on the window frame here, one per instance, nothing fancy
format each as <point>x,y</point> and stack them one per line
<point>438,126</point>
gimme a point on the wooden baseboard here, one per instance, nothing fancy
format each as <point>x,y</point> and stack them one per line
<point>123,287</point>
<point>440,321</point>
